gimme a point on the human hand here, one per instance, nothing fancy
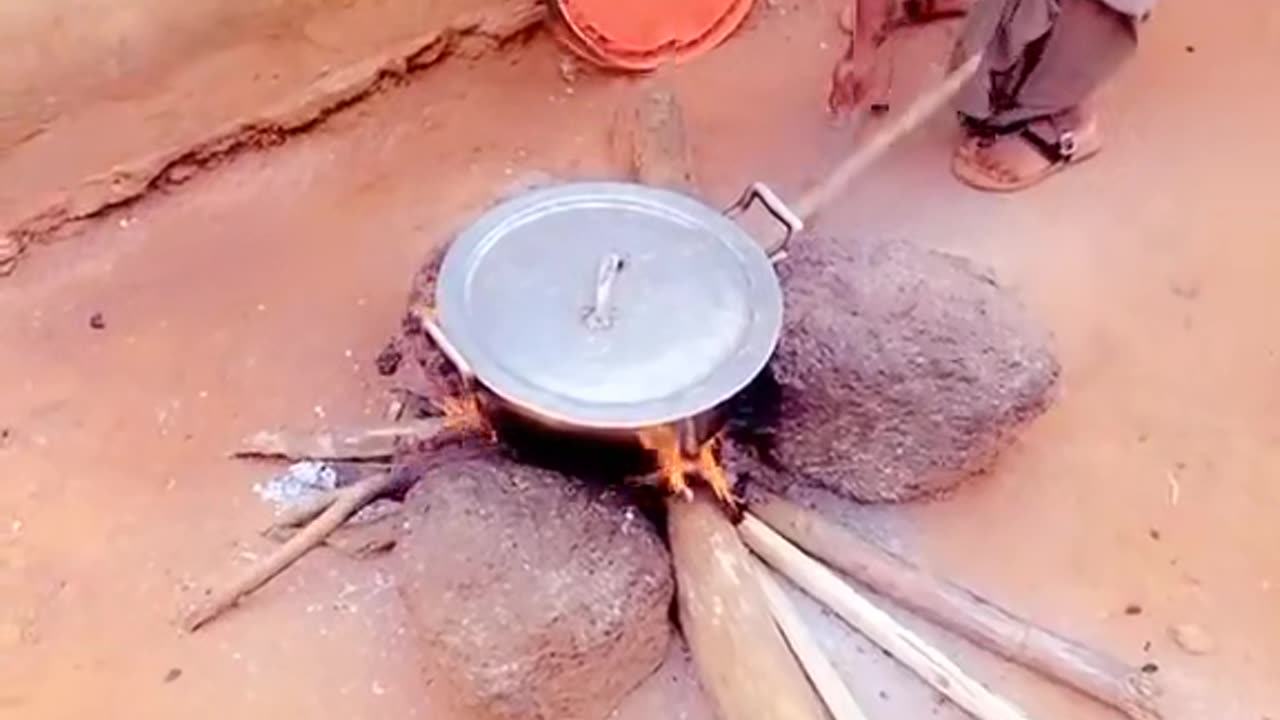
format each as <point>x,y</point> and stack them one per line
<point>861,74</point>
<point>861,77</point>
<point>848,87</point>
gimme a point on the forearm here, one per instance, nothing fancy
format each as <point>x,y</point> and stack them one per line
<point>875,20</point>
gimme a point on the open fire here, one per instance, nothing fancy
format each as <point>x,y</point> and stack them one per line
<point>677,468</point>
<point>462,413</point>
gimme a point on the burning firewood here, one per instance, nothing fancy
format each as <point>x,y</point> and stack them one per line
<point>321,516</point>
<point>907,647</point>
<point>376,442</point>
<point>826,680</point>
<point>963,612</point>
<point>741,657</point>
<point>675,469</point>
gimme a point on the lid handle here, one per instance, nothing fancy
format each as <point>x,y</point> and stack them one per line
<point>599,316</point>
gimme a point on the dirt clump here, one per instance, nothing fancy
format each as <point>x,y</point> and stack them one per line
<point>1193,639</point>
<point>430,374</point>
<point>427,372</point>
<point>533,595</point>
<point>901,370</point>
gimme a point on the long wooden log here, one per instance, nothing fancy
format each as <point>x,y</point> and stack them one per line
<point>743,662</point>
<point>826,680</point>
<point>741,658</point>
<point>649,141</point>
<point>881,628</point>
<point>373,442</point>
<point>964,612</point>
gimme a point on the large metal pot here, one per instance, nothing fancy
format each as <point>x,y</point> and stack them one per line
<point>611,310</point>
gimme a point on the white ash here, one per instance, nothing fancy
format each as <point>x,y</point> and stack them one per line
<point>299,483</point>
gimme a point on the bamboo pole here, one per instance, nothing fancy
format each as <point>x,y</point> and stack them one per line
<point>826,680</point>
<point>908,648</point>
<point>967,614</point>
<point>743,662</point>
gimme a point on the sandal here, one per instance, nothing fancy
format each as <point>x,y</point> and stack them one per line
<point>1017,160</point>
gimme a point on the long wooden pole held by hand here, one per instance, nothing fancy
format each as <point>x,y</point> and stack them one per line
<point>813,201</point>
<point>740,655</point>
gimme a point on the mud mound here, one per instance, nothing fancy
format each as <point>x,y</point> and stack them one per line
<point>534,595</point>
<point>901,370</point>
<point>429,373</point>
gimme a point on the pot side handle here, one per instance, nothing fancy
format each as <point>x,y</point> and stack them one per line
<point>777,208</point>
<point>427,319</point>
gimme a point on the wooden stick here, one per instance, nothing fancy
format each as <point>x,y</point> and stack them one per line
<point>648,139</point>
<point>741,657</point>
<point>831,688</point>
<point>813,201</point>
<point>910,649</point>
<point>309,508</point>
<point>304,512</point>
<point>366,539</point>
<point>987,625</point>
<point>346,503</point>
<point>364,443</point>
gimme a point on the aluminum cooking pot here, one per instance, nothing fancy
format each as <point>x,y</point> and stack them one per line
<point>611,310</point>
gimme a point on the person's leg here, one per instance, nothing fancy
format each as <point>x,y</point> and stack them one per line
<point>1003,31</point>
<point>1087,45</point>
<point>1043,124</point>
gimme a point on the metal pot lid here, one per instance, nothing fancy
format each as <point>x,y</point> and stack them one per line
<point>610,305</point>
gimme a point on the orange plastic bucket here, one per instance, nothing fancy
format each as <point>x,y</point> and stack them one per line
<point>643,34</point>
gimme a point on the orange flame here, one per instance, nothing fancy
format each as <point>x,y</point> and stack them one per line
<point>664,443</point>
<point>676,468</point>
<point>713,473</point>
<point>463,414</point>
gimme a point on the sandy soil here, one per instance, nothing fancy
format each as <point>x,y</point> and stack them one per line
<point>86,87</point>
<point>260,294</point>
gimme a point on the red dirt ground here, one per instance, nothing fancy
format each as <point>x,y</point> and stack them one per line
<point>259,295</point>
<point>86,87</point>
